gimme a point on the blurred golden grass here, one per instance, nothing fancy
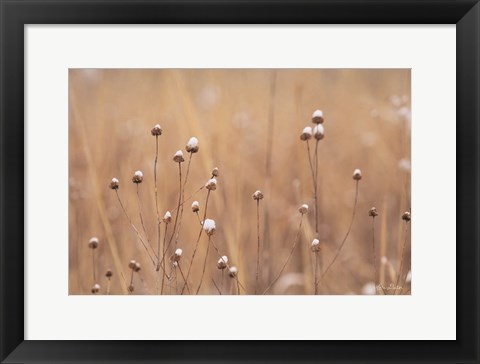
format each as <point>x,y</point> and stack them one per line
<point>248,123</point>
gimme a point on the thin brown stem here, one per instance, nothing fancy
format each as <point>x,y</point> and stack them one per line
<point>204,266</point>
<point>140,212</point>
<point>183,277</point>
<point>131,277</point>
<point>374,255</point>
<point>316,273</point>
<point>158,212</point>
<point>218,289</point>
<point>221,284</point>
<point>178,206</point>
<point>297,238</point>
<point>316,190</point>
<point>134,228</point>
<point>346,235</point>
<point>108,286</point>
<point>189,198</point>
<point>93,266</point>
<point>402,258</point>
<point>182,198</point>
<point>258,245</point>
<point>163,257</point>
<point>198,238</point>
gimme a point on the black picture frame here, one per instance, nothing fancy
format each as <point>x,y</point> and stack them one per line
<point>15,14</point>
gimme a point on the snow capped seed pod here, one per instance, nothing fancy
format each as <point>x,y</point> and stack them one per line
<point>195,206</point>
<point>306,133</point>
<point>192,145</point>
<point>232,271</point>
<point>315,245</point>
<point>369,289</point>
<point>93,243</point>
<point>215,172</point>
<point>108,273</point>
<point>157,130</point>
<point>318,132</point>
<point>408,278</point>
<point>178,157</point>
<point>137,267</point>
<point>317,117</point>
<point>131,264</point>
<point>137,177</point>
<point>373,212</point>
<point>357,175</point>
<point>209,226</point>
<point>167,218</point>
<point>258,195</point>
<point>96,288</point>
<point>177,255</point>
<point>303,209</point>
<point>406,216</point>
<point>211,184</point>
<point>114,184</point>
<point>222,262</point>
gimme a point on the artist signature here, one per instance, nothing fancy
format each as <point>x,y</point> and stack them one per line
<point>390,287</point>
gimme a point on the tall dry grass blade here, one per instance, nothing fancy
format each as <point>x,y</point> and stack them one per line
<point>258,245</point>
<point>93,172</point>
<point>268,165</point>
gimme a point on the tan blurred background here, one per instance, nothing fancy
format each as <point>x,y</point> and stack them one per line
<point>248,123</point>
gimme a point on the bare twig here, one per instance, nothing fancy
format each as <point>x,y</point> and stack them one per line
<point>346,235</point>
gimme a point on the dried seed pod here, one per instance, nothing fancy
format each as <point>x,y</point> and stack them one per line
<point>195,206</point>
<point>222,262</point>
<point>317,117</point>
<point>93,243</point>
<point>357,175</point>
<point>318,132</point>
<point>211,184</point>
<point>177,255</point>
<point>167,218</point>
<point>137,177</point>
<point>306,133</point>
<point>373,212</point>
<point>192,145</point>
<point>303,209</point>
<point>406,216</point>
<point>315,245</point>
<point>114,184</point>
<point>108,273</point>
<point>131,264</point>
<point>233,271</point>
<point>258,195</point>
<point>157,130</point>
<point>137,267</point>
<point>215,172</point>
<point>131,288</point>
<point>95,288</point>
<point>209,227</point>
<point>178,157</point>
